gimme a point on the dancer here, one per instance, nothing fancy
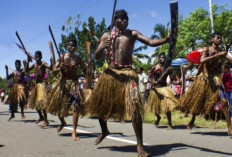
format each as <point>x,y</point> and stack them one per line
<point>161,98</point>
<point>67,92</point>
<point>38,97</point>
<point>116,93</point>
<point>207,88</point>
<point>18,94</point>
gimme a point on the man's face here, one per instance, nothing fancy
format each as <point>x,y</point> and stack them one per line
<point>38,57</point>
<point>217,40</point>
<point>139,71</point>
<point>18,65</point>
<point>190,64</point>
<point>162,58</point>
<point>71,47</point>
<point>121,22</point>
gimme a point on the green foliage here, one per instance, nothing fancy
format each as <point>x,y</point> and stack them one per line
<point>3,84</point>
<point>75,28</point>
<point>137,63</point>
<point>194,31</point>
<point>177,120</point>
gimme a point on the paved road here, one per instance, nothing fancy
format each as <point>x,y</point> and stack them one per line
<point>23,138</point>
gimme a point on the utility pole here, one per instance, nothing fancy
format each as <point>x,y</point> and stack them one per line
<point>211,16</point>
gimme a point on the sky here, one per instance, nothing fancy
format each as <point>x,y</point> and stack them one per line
<point>31,18</point>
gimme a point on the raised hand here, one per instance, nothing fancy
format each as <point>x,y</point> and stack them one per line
<point>24,63</point>
<point>106,43</point>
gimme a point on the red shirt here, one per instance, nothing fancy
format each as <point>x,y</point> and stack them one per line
<point>227,81</point>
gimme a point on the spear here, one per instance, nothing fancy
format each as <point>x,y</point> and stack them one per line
<point>112,19</point>
<point>53,38</point>
<point>92,33</point>
<point>111,27</point>
<point>23,47</point>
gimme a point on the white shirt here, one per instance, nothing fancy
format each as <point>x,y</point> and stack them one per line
<point>142,80</point>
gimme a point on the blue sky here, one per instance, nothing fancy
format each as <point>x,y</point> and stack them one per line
<point>31,19</point>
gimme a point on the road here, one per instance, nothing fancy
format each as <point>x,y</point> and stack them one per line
<point>24,138</point>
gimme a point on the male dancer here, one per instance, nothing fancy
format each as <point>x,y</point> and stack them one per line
<point>38,98</point>
<point>116,93</point>
<point>18,94</point>
<point>161,98</point>
<point>207,88</point>
<point>67,92</point>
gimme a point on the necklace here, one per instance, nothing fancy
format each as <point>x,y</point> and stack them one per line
<point>116,34</point>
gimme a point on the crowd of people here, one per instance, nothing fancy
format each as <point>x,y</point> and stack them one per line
<point>120,91</point>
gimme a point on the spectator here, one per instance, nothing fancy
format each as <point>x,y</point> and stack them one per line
<point>147,86</point>
<point>2,95</point>
<point>94,81</point>
<point>142,81</point>
<point>227,81</point>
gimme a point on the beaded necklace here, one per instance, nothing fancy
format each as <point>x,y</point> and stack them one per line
<point>114,35</point>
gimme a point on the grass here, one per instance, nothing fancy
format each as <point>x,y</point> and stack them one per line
<point>178,121</point>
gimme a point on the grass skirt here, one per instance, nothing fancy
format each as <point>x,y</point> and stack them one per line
<point>38,98</point>
<point>161,100</point>
<point>59,101</point>
<point>116,95</point>
<point>17,95</point>
<point>203,94</point>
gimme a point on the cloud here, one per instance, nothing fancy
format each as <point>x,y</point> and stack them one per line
<point>135,16</point>
<point>153,13</point>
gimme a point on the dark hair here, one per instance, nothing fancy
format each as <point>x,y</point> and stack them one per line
<point>141,68</point>
<point>161,54</point>
<point>226,65</point>
<point>17,61</point>
<point>119,14</point>
<point>215,34</point>
<point>38,53</point>
<point>71,42</point>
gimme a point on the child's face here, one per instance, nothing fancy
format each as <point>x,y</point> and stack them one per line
<point>224,69</point>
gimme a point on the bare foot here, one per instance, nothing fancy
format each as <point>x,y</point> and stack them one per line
<point>170,127</point>
<point>142,153</point>
<point>11,117</point>
<point>44,124</point>
<point>74,137</point>
<point>60,127</point>
<point>37,121</point>
<point>230,132</point>
<point>189,127</point>
<point>23,116</point>
<point>157,121</point>
<point>101,137</point>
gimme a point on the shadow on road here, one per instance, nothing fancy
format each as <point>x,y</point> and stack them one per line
<point>118,134</point>
<point>176,127</point>
<point>211,133</point>
<point>55,126</point>
<point>1,145</point>
<point>80,135</point>
<point>157,150</point>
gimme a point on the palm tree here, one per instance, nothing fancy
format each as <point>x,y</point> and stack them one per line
<point>160,31</point>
